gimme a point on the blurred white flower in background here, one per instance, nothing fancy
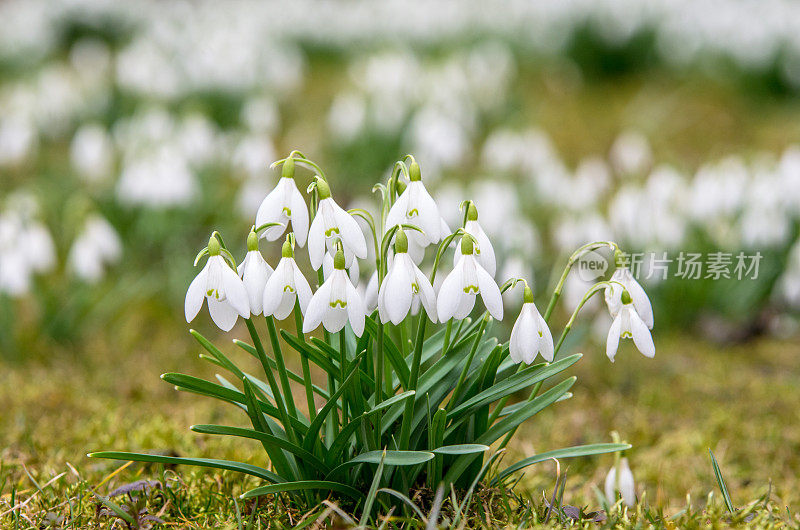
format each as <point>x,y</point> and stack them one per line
<point>97,246</point>
<point>92,153</point>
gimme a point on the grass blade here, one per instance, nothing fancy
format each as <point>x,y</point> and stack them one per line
<point>373,492</point>
<point>721,482</point>
<point>304,485</point>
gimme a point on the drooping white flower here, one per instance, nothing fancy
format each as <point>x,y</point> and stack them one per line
<point>333,223</point>
<point>468,279</point>
<point>254,272</point>
<point>97,245</point>
<point>530,335</point>
<point>629,325</point>
<point>624,485</point>
<point>415,206</point>
<point>336,302</point>
<point>221,286</point>
<point>484,251</point>
<point>286,286</point>
<point>404,285</point>
<point>284,203</point>
<point>613,294</point>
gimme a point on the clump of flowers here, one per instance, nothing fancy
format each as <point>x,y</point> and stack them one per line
<point>417,389</point>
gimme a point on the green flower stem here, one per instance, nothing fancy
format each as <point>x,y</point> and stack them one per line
<point>570,263</point>
<point>465,370</point>
<point>343,353</point>
<point>281,365</point>
<point>273,384</point>
<point>298,324</point>
<point>447,331</point>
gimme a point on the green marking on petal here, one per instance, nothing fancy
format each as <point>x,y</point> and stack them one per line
<point>331,231</point>
<point>627,335</point>
<point>414,287</point>
<point>288,289</point>
<point>287,211</point>
<point>412,213</point>
<point>471,289</point>
<point>340,303</point>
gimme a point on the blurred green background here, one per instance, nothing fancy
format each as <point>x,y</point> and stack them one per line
<point>129,131</point>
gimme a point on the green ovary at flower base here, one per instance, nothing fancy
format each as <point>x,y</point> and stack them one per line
<point>420,404</point>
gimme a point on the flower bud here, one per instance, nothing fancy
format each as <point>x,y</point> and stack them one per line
<point>323,189</point>
<point>472,212</point>
<point>414,173</point>
<point>626,297</point>
<point>338,261</point>
<point>213,246</point>
<point>288,169</point>
<point>467,245</point>
<point>400,242</point>
<point>252,240</point>
<point>401,187</point>
<point>527,295</point>
<point>287,251</point>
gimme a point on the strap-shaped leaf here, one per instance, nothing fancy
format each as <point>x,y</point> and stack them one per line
<point>521,380</point>
<point>229,465</point>
<point>313,430</point>
<point>277,456</point>
<point>294,376</point>
<point>304,485</point>
<point>460,449</point>
<point>339,444</point>
<point>296,450</point>
<point>567,452</point>
<point>207,388</point>
<point>391,458</point>
<point>313,353</point>
<point>506,424</point>
<point>391,351</point>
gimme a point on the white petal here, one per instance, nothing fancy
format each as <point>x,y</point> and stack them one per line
<point>515,348</point>
<point>355,310</point>
<point>465,306</point>
<point>626,486</point>
<point>429,218</point>
<point>371,293</point>
<point>223,315</point>
<point>235,293</point>
<point>610,485</point>
<point>335,319</point>
<point>397,213</point>
<point>612,341</point>
<point>490,293</point>
<point>285,306</point>
<point>255,272</point>
<point>398,286</point>
<point>196,294</point>
<point>641,335</point>
<point>271,210</point>
<point>640,301</point>
<point>350,232</point>
<point>426,293</point>
<point>527,335</point>
<point>613,297</point>
<point>302,287</point>
<point>299,216</point>
<point>273,289</point>
<point>546,341</point>
<point>317,308</point>
<point>316,241</point>
<point>486,258</point>
<point>451,293</point>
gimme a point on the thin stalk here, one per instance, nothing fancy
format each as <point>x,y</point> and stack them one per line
<point>465,370</point>
<point>343,354</point>
<point>281,365</point>
<point>572,260</point>
<point>273,384</point>
<point>312,407</point>
<point>405,429</point>
<point>447,331</point>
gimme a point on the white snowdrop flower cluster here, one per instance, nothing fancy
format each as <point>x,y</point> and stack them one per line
<point>96,247</point>
<point>26,246</point>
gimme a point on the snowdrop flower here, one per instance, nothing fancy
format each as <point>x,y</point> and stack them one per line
<point>286,286</point>
<point>330,224</point>
<point>254,272</point>
<point>613,294</point>
<point>220,285</point>
<point>628,325</point>
<point>624,484</point>
<point>530,334</point>
<point>415,206</point>
<point>484,251</point>
<point>284,203</point>
<point>404,284</point>
<point>468,279</point>
<point>336,302</point>
<point>97,245</point>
